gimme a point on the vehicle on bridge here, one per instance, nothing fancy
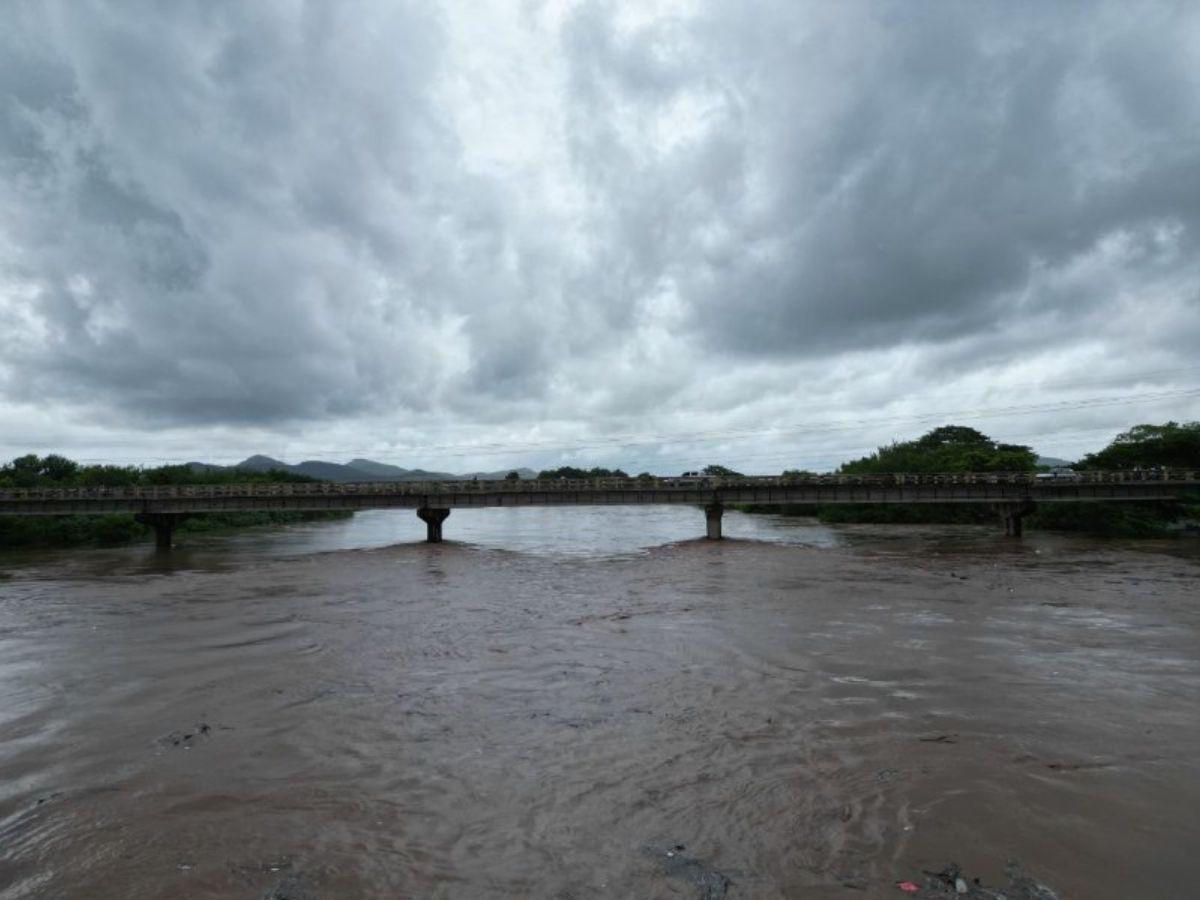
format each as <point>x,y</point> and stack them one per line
<point>1059,473</point>
<point>687,479</point>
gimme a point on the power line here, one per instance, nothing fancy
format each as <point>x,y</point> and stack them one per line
<point>667,438</point>
<point>495,448</point>
<point>670,440</point>
<point>831,458</point>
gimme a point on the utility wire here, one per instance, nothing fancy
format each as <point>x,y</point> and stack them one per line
<point>508,448</point>
<point>670,440</point>
<point>704,437</point>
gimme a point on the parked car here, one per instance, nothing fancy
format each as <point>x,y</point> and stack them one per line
<point>1059,473</point>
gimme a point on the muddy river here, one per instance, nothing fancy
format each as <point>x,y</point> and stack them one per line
<point>589,703</point>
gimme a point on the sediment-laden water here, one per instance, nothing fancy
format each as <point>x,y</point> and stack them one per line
<point>586,703</point>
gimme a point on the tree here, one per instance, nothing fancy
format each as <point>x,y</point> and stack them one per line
<point>58,471</point>
<point>581,474</point>
<point>715,471</point>
<point>59,468</point>
<point>954,435</point>
<point>1145,446</point>
<point>513,476</point>
<point>950,448</point>
<point>24,471</point>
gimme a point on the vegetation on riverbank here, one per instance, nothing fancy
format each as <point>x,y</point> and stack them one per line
<point>1144,447</point>
<point>574,473</point>
<point>62,531</point>
<point>956,448</point>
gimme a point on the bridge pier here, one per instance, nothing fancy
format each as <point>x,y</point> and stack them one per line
<point>1012,514</point>
<point>164,525</point>
<point>712,516</point>
<point>433,519</point>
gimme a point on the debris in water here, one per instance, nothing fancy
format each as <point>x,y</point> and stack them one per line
<point>710,883</point>
<point>951,884</point>
<point>294,887</point>
<point>184,738</point>
<point>855,881</point>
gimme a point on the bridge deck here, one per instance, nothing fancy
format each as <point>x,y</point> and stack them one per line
<point>823,489</point>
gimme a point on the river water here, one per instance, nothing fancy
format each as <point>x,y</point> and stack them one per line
<point>590,703</point>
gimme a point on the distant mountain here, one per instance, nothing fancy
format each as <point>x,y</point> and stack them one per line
<point>355,470</point>
<point>1052,462</point>
<point>500,475</point>
<point>327,471</point>
<point>384,472</point>
<point>375,468</point>
<point>260,464</point>
<point>204,467</point>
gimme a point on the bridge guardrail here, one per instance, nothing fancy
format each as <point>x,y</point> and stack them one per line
<point>654,483</point>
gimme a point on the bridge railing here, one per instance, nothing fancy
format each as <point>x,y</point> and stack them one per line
<point>643,483</point>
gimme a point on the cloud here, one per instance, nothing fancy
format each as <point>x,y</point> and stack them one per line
<point>876,173</point>
<point>478,223</point>
<point>218,213</point>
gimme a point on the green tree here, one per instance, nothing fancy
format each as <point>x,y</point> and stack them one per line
<point>950,448</point>
<point>59,468</point>
<point>574,473</point>
<point>24,471</point>
<point>715,471</point>
<point>58,471</point>
<point>1171,445</point>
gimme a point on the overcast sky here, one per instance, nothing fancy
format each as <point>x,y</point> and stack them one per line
<point>766,233</point>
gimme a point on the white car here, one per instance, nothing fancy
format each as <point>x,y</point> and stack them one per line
<point>1059,473</point>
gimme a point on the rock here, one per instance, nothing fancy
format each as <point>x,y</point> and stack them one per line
<point>294,887</point>
<point>710,883</point>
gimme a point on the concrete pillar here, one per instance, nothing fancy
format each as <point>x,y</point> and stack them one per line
<point>164,527</point>
<point>1012,523</point>
<point>1012,514</point>
<point>433,519</point>
<point>712,515</point>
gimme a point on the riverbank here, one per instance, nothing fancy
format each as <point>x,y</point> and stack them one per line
<point>1120,520</point>
<point>74,531</point>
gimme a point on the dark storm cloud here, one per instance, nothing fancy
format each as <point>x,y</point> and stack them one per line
<point>221,211</point>
<point>876,173</point>
<point>268,212</point>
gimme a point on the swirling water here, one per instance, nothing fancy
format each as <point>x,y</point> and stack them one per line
<point>555,700</point>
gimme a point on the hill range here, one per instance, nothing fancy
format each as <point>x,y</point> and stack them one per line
<point>356,470</point>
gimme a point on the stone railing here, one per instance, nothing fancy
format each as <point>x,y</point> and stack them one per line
<point>680,483</point>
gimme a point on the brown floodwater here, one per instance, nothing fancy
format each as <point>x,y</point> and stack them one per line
<point>815,713</point>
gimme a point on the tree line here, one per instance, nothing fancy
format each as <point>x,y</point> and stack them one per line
<point>31,471</point>
<point>958,448</point>
<point>949,448</point>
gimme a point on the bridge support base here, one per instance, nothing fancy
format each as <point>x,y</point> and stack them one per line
<point>164,525</point>
<point>712,516</point>
<point>433,519</point>
<point>1011,515</point>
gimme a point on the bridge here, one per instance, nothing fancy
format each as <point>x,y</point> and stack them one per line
<point>1012,495</point>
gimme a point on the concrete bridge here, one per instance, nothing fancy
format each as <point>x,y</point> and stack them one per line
<point>1012,495</point>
